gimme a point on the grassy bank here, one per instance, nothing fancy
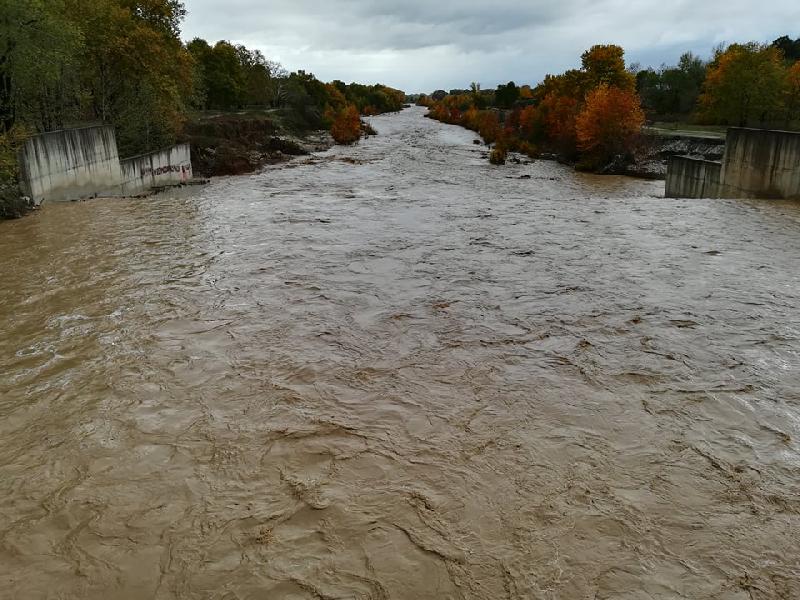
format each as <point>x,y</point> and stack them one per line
<point>686,130</point>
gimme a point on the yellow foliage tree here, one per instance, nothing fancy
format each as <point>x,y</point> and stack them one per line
<point>605,64</point>
<point>744,86</point>
<point>792,97</point>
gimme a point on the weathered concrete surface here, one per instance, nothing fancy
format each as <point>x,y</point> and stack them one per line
<point>70,164</point>
<point>761,164</point>
<point>654,153</point>
<point>756,164</point>
<point>156,169</point>
<point>74,164</point>
<point>693,178</point>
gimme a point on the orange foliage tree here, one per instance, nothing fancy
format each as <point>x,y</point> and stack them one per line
<point>609,123</point>
<point>589,114</point>
<point>489,126</point>
<point>346,126</point>
<point>558,115</point>
<point>530,122</point>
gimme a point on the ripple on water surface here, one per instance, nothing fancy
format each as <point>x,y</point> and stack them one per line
<point>395,371</point>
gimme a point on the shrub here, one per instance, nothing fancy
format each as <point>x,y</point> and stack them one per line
<point>346,127</point>
<point>498,155</point>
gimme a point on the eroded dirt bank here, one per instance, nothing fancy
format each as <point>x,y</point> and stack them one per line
<point>394,371</point>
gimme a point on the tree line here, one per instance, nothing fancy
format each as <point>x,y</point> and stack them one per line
<point>743,85</point>
<point>122,62</point>
<point>587,115</point>
<point>230,77</point>
<point>593,115</point>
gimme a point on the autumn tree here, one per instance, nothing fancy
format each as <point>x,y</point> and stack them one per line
<point>570,84</point>
<point>530,123</point>
<point>609,123</point>
<point>346,127</point>
<point>792,96</point>
<point>559,114</point>
<point>789,47</point>
<point>489,126</point>
<point>745,85</point>
<point>136,74</point>
<point>605,64</point>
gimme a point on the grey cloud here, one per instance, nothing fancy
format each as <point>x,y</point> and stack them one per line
<point>420,44</point>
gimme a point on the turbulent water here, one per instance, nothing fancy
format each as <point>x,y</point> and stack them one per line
<point>395,371</point>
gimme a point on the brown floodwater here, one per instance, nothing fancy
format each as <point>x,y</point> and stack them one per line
<point>396,371</point>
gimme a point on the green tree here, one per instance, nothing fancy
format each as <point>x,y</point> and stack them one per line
<point>605,64</point>
<point>789,47</point>
<point>672,91</point>
<point>136,73</point>
<point>745,85</point>
<point>39,52</point>
<point>224,76</point>
<point>506,95</point>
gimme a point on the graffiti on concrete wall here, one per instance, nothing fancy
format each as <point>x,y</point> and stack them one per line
<point>162,170</point>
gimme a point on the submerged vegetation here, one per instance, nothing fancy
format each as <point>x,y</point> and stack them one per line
<point>592,116</point>
<point>73,62</point>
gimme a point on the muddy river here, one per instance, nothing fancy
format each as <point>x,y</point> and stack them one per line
<point>395,371</point>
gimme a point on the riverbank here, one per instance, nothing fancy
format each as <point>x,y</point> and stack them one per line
<point>655,148</point>
<point>647,159</point>
<point>214,144</point>
<point>13,205</point>
<point>243,142</point>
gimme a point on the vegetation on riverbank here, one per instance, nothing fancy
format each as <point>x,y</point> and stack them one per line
<point>743,85</point>
<point>592,116</point>
<point>70,62</point>
<point>12,205</point>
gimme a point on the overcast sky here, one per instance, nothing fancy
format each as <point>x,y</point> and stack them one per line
<point>422,45</point>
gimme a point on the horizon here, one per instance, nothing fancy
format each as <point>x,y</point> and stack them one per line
<point>419,48</point>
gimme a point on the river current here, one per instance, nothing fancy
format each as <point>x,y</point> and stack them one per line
<point>395,371</point>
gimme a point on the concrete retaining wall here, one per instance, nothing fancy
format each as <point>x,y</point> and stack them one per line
<point>756,164</point>
<point>70,164</point>
<point>692,178</point>
<point>157,169</point>
<point>761,164</point>
<point>84,163</point>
